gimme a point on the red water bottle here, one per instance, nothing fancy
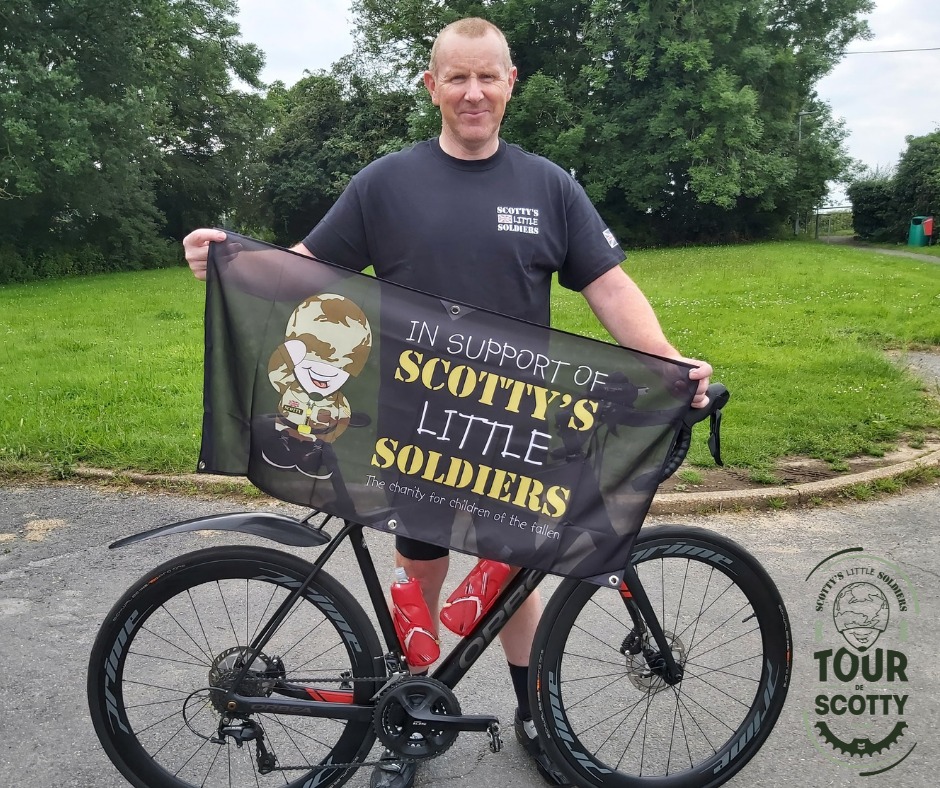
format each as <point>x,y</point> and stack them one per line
<point>474,596</point>
<point>413,621</point>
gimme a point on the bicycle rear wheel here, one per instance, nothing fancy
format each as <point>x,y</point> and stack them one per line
<point>180,631</point>
<point>609,720</point>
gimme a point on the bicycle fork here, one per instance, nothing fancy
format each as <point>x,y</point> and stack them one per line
<point>645,624</point>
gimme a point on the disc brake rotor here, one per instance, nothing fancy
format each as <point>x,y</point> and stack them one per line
<point>643,677</point>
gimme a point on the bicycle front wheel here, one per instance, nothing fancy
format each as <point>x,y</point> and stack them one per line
<point>611,720</point>
<point>174,642</point>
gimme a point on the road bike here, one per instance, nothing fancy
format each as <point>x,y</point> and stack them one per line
<point>249,666</point>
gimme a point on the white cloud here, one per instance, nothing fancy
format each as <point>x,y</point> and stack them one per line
<point>886,97</point>
<point>296,36</point>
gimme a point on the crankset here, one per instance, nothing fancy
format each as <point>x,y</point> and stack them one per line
<point>418,718</point>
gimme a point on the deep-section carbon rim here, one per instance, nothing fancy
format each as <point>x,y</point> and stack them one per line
<point>611,721</point>
<point>178,632</point>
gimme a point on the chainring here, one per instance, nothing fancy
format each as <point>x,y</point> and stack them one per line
<point>860,746</point>
<point>405,737</point>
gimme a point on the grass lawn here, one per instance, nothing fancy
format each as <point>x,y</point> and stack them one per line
<point>107,370</point>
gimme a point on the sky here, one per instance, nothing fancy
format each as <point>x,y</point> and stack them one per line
<point>882,97</point>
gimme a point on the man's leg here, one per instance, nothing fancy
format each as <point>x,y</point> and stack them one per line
<point>516,638</point>
<point>428,564</point>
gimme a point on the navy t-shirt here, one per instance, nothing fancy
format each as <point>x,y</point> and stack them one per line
<point>489,233</point>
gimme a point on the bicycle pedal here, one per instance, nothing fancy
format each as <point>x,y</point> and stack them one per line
<point>496,742</point>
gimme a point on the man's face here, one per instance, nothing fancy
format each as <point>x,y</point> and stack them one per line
<point>471,84</point>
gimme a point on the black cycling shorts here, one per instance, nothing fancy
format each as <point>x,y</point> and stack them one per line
<point>419,551</point>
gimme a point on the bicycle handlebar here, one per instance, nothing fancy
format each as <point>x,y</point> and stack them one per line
<point>718,396</point>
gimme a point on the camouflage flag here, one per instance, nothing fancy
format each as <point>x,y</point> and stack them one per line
<point>431,419</point>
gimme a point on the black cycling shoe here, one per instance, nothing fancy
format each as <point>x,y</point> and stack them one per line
<point>392,772</point>
<point>529,739</point>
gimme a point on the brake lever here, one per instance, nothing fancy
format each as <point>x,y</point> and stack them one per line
<point>718,396</point>
<point>714,437</point>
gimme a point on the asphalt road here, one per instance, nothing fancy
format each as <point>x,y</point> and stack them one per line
<point>58,579</point>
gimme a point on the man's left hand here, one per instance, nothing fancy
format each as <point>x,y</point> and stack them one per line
<point>702,372</point>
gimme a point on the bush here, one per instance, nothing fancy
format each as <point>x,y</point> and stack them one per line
<point>884,202</point>
<point>835,222</point>
<point>57,262</point>
<point>13,268</point>
<point>917,183</point>
<point>876,215</point>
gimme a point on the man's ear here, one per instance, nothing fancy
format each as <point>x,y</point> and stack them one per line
<point>513,73</point>
<point>431,84</point>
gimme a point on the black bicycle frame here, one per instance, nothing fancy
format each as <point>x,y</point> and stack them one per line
<point>453,667</point>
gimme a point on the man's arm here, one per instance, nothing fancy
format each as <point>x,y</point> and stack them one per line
<point>626,313</point>
<point>196,249</point>
<point>301,249</point>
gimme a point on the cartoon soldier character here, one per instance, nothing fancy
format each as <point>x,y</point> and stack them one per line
<point>328,339</point>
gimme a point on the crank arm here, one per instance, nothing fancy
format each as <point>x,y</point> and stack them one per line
<point>461,722</point>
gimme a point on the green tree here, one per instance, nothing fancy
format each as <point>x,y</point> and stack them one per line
<point>330,126</point>
<point>207,130</point>
<point>883,201</point>
<point>680,117</point>
<point>113,109</point>
<point>544,116</point>
<point>917,182</point>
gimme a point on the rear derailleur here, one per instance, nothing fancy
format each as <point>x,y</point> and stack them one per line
<point>242,730</point>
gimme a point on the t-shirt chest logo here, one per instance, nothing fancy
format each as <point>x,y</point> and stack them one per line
<point>510,219</point>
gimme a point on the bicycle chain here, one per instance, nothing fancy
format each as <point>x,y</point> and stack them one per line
<point>390,681</point>
<point>355,764</point>
<point>343,766</point>
<point>348,680</point>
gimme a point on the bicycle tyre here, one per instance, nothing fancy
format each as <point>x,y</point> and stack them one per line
<point>151,661</point>
<point>608,722</point>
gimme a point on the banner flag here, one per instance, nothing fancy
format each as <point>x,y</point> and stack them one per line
<point>429,418</point>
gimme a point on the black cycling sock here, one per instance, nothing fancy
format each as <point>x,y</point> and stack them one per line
<point>520,683</point>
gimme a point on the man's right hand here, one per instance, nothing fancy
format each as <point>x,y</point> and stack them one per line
<point>196,249</point>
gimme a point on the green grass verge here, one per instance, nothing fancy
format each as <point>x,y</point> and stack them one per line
<point>104,370</point>
<point>894,484</point>
<point>797,331</point>
<point>107,370</point>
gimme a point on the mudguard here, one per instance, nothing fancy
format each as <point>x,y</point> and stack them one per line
<point>275,527</point>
